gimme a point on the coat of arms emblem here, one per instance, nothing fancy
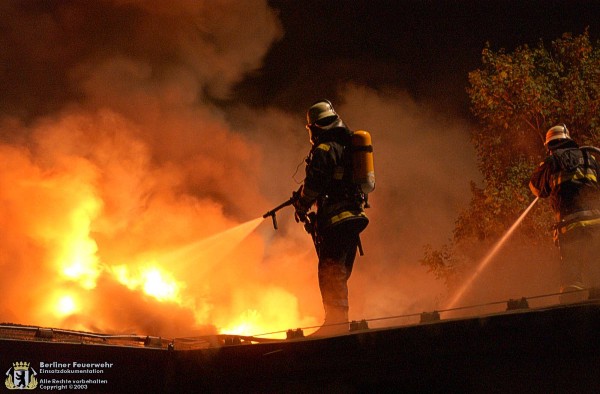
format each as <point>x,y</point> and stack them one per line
<point>21,377</point>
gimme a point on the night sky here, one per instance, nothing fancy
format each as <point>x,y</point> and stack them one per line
<point>424,47</point>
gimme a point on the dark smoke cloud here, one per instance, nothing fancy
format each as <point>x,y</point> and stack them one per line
<point>49,46</point>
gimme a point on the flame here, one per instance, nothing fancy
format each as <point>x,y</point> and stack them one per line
<point>80,264</point>
<point>61,206</point>
<point>160,285</point>
<point>152,280</point>
<point>277,311</point>
<point>66,305</point>
<point>81,271</point>
<point>247,324</point>
<point>80,238</point>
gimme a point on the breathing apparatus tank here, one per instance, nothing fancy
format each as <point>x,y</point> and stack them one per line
<point>362,161</point>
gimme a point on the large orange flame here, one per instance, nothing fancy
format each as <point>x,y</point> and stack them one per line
<point>153,280</point>
<point>108,260</point>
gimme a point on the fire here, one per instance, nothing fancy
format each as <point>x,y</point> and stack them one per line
<point>152,280</point>
<point>62,205</point>
<point>160,285</point>
<point>81,264</point>
<point>66,306</point>
<point>276,312</point>
<point>249,323</point>
<point>71,223</point>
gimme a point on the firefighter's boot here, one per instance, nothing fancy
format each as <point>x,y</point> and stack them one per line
<point>336,322</point>
<point>572,293</point>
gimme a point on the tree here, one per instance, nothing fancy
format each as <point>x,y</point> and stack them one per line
<point>516,97</point>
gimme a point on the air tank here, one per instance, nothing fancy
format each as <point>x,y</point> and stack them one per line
<point>362,161</point>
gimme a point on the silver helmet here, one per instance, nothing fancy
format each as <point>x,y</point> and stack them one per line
<point>320,118</point>
<point>320,110</point>
<point>556,133</point>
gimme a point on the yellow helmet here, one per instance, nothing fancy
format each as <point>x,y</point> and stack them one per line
<point>320,110</point>
<point>556,133</point>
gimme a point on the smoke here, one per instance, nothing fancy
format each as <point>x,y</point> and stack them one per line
<point>112,157</point>
<point>121,183</point>
<point>424,162</point>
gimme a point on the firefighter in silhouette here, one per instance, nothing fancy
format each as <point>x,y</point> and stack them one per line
<point>339,216</point>
<point>569,177</point>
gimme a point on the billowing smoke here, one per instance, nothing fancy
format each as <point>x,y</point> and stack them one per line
<point>113,160</point>
<point>130,203</point>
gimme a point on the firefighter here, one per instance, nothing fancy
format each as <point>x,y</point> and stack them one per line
<point>339,216</point>
<point>569,178</point>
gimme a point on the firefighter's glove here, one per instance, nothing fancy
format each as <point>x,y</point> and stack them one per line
<point>300,215</point>
<point>301,211</point>
<point>302,206</point>
<point>309,227</point>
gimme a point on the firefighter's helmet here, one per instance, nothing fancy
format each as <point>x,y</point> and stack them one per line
<point>319,111</point>
<point>320,117</point>
<point>557,133</point>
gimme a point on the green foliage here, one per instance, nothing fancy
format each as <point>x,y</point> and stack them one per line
<point>516,97</point>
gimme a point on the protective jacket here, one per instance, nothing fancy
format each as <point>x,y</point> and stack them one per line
<point>329,183</point>
<point>569,178</point>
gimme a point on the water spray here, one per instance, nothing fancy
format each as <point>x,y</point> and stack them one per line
<point>219,245</point>
<point>489,256</point>
<point>214,247</point>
